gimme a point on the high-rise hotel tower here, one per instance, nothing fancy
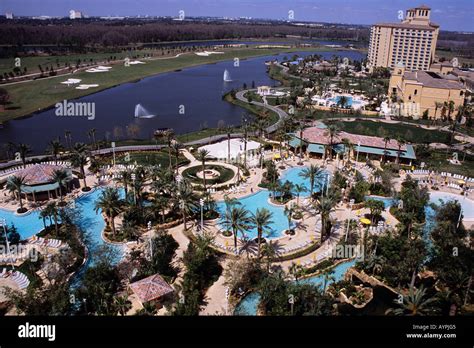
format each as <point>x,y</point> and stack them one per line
<point>411,42</point>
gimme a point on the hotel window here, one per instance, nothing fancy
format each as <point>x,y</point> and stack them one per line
<point>416,91</point>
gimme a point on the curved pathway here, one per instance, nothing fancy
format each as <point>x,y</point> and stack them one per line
<point>281,114</point>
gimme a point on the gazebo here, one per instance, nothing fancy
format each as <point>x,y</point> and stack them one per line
<point>151,289</point>
<point>39,183</point>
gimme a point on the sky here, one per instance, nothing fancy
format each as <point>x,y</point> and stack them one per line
<point>449,14</point>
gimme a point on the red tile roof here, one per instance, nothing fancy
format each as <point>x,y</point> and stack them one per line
<point>38,174</point>
<point>151,288</point>
<point>319,136</point>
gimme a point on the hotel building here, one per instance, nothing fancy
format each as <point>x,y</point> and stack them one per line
<point>411,42</point>
<point>414,92</point>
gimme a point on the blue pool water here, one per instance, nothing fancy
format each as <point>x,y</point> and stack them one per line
<point>350,101</point>
<point>387,201</point>
<point>90,222</point>
<point>260,200</point>
<point>466,203</point>
<point>27,225</point>
<point>249,304</point>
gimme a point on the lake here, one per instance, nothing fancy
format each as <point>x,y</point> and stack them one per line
<point>196,90</point>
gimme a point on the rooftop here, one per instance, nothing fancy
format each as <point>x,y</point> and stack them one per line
<point>430,26</point>
<point>319,136</point>
<point>151,288</point>
<point>432,79</point>
<point>38,174</point>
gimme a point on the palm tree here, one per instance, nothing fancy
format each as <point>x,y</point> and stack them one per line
<point>328,277</point>
<point>332,132</point>
<point>51,211</point>
<point>91,133</point>
<point>348,146</point>
<point>125,178</point>
<point>167,135</point>
<point>202,157</point>
<point>415,303</point>
<point>14,185</point>
<point>23,150</point>
<point>325,206</point>
<point>68,137</point>
<point>62,178</point>
<point>55,148</point>
<point>79,159</point>
<point>401,143</point>
<point>299,189</point>
<point>176,147</point>
<point>262,219</point>
<point>313,172</point>
<point>230,202</point>
<point>271,250</point>
<point>386,140</point>
<point>237,220</point>
<point>229,133</point>
<point>289,210</point>
<point>343,101</point>
<point>187,200</point>
<point>438,105</point>
<point>111,204</point>
<point>123,304</point>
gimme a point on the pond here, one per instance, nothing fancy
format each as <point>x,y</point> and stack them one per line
<point>196,90</point>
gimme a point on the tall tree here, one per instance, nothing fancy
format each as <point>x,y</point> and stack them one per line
<point>262,219</point>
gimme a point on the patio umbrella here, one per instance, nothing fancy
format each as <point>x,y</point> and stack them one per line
<point>365,221</point>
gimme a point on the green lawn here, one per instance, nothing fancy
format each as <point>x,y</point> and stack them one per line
<point>150,158</point>
<point>411,134</point>
<point>271,116</point>
<point>30,97</point>
<point>438,160</point>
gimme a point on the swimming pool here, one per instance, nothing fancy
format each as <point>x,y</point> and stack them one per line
<point>91,223</point>
<point>349,100</point>
<point>466,203</point>
<point>260,200</point>
<point>387,201</point>
<point>249,304</point>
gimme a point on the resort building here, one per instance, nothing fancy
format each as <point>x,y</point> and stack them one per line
<point>153,289</point>
<point>412,42</point>
<point>414,92</point>
<point>315,142</point>
<point>39,183</point>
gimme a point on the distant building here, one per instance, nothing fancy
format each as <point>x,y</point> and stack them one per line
<point>418,91</point>
<point>9,15</point>
<point>411,42</point>
<point>73,14</point>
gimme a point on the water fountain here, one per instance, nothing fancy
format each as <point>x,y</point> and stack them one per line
<point>141,112</point>
<point>227,77</point>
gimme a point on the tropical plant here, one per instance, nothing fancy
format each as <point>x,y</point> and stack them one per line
<point>55,148</point>
<point>79,159</point>
<point>237,221</point>
<point>325,206</point>
<point>62,178</point>
<point>110,204</point>
<point>23,150</point>
<point>299,189</point>
<point>413,304</point>
<point>14,185</point>
<point>262,219</point>
<point>313,173</point>
<point>202,156</point>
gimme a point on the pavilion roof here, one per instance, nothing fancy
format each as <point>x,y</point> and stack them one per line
<point>38,174</point>
<point>321,136</point>
<point>151,288</point>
